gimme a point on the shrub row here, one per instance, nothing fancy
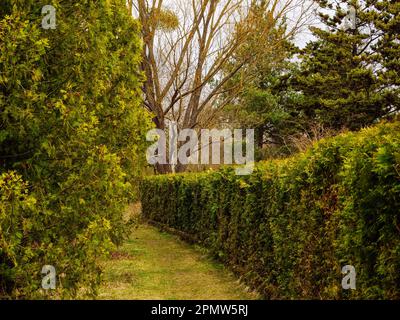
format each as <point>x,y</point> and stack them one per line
<point>290,227</point>
<point>72,141</point>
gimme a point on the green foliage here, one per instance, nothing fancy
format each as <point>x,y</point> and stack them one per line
<point>164,19</point>
<point>291,226</point>
<point>254,100</point>
<point>72,141</point>
<point>345,78</point>
<point>349,75</point>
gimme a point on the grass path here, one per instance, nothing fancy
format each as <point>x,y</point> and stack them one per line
<point>156,265</point>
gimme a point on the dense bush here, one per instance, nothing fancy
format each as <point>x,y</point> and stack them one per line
<point>72,132</point>
<point>291,226</point>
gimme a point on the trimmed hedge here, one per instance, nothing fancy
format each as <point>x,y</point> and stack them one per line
<point>291,226</point>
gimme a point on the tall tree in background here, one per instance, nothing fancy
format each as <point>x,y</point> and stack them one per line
<point>387,23</point>
<point>349,74</point>
<point>185,64</point>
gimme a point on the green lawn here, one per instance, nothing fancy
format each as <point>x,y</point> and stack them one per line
<point>155,265</point>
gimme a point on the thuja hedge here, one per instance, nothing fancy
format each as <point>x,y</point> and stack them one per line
<point>290,227</point>
<point>72,141</point>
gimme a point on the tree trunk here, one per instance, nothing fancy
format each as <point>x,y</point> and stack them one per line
<point>161,168</point>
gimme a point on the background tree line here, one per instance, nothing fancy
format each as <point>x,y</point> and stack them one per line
<point>217,63</point>
<point>346,78</point>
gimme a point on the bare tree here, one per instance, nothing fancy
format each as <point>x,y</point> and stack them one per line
<point>184,59</point>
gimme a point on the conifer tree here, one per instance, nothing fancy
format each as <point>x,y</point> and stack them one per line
<point>387,22</point>
<point>349,74</point>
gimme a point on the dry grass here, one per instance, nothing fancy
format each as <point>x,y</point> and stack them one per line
<point>304,141</point>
